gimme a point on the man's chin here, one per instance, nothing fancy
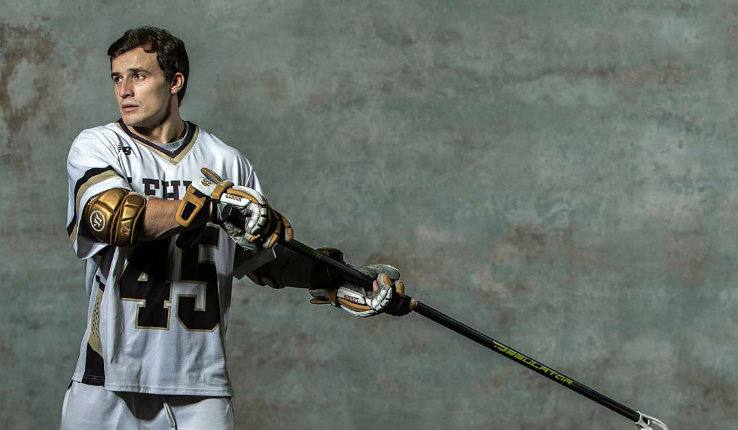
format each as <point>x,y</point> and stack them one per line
<point>132,120</point>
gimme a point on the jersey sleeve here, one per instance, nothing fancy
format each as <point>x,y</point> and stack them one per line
<point>246,174</point>
<point>254,183</point>
<point>92,167</point>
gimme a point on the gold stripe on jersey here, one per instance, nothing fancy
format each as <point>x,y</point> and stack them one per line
<point>94,339</point>
<point>81,190</point>
<point>173,157</point>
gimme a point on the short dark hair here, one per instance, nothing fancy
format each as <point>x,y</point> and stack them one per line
<point>170,51</point>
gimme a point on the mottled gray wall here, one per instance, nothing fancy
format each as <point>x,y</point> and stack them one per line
<point>559,174</point>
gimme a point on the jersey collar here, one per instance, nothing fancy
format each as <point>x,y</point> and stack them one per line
<point>173,157</point>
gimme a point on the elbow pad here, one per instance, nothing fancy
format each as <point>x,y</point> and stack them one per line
<point>115,216</point>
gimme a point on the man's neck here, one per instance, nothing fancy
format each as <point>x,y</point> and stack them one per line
<point>172,129</point>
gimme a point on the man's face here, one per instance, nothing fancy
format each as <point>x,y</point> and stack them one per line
<point>141,88</point>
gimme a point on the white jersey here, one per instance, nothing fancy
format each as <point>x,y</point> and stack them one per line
<point>157,314</point>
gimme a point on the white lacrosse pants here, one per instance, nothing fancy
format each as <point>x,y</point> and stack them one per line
<point>94,407</point>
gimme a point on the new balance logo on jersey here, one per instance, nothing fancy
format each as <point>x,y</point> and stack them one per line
<point>124,149</point>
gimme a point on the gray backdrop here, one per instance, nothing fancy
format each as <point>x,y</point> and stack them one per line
<point>559,174</point>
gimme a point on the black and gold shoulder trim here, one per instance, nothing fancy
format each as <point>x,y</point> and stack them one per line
<point>173,157</point>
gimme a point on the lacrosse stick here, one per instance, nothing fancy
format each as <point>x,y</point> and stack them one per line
<point>348,272</point>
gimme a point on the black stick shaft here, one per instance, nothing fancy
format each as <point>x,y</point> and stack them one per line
<point>350,273</point>
<point>523,359</point>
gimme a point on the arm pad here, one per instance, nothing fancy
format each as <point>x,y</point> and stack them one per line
<point>115,216</point>
<point>290,269</point>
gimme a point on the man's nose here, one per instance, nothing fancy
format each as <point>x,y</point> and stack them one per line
<point>125,89</point>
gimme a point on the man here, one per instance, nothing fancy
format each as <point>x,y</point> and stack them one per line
<point>162,242</point>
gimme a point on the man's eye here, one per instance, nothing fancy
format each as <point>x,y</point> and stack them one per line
<point>139,76</point>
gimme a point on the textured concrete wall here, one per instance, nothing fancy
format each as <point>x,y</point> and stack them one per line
<point>559,174</point>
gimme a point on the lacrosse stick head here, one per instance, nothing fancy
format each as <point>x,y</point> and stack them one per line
<point>647,422</point>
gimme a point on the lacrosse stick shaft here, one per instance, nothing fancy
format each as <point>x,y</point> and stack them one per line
<point>365,281</point>
<point>524,360</point>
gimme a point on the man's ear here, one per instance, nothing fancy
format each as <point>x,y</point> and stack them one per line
<point>177,83</point>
